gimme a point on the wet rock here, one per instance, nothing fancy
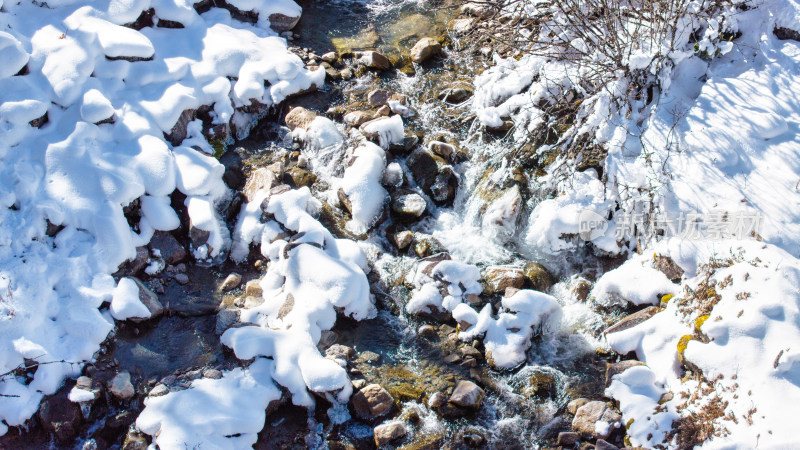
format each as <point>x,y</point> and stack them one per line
<point>499,278</point>
<point>633,319</point>
<point>282,23</point>
<point>214,374</point>
<point>369,357</point>
<point>234,170</point>
<point>423,166</point>
<point>581,290</point>
<point>372,401</point>
<point>573,405</point>
<point>603,445</point>
<point>357,118</point>
<point>472,437</point>
<point>301,177</point>
<point>158,391</point>
<point>253,289</point>
<point>619,367</point>
<point>456,94</point>
<point>538,276</point>
<point>470,351</point>
<point>437,400</point>
<point>409,206</point>
<point>668,267</point>
<point>346,73</point>
<point>378,97</point>
<point>60,416</point>
<point>403,239</point>
<point>261,178</point>
<point>253,301</point>
<point>426,245</point>
<point>339,351</point>
<point>568,438</point>
<point>446,151</point>
<point>427,331</point>
<point>387,432</point>
<point>171,250</point>
<point>424,49</point>
<point>405,147</point>
<point>134,440</point>
<point>393,176</point>
<point>505,127</point>
<point>121,387</point>
<point>358,384</point>
<point>232,281</point>
<point>374,60</point>
<point>467,395</point>
<point>182,279</point>
<point>150,300</point>
<point>299,117</point>
<point>277,168</point>
<point>225,319</point>
<point>374,134</point>
<point>384,111</point>
<point>589,414</point>
<point>443,190</point>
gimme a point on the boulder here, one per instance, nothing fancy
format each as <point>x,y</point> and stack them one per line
<point>387,432</point>
<point>456,94</point>
<point>301,177</point>
<point>60,416</point>
<point>444,187</point>
<point>668,267</point>
<point>538,276</point>
<point>423,166</point>
<point>437,400</point>
<point>587,418</point>
<point>261,178</point>
<point>121,387</point>
<point>446,151</point>
<point>467,395</point>
<point>424,49</point>
<point>498,278</point>
<point>372,401</point>
<point>299,117</point>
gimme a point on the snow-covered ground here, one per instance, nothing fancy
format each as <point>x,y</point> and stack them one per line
<point>713,162</point>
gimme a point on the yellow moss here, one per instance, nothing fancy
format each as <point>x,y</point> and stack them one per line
<point>682,343</point>
<point>628,424</point>
<point>627,441</point>
<point>667,298</point>
<point>699,322</point>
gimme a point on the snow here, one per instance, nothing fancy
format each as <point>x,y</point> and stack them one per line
<point>83,67</point>
<point>79,395</point>
<point>635,282</point>
<point>362,185</point>
<point>125,303</point>
<point>389,130</point>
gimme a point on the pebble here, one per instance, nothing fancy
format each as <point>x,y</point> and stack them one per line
<point>214,374</point>
<point>387,432</point>
<point>182,278</point>
<point>121,386</point>
<point>158,390</point>
<point>231,282</point>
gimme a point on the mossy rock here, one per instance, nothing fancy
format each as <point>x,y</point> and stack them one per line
<point>541,385</point>
<point>301,177</point>
<point>424,441</point>
<point>538,276</point>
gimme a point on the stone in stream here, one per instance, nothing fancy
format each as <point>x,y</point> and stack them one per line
<point>121,387</point>
<point>409,206</point>
<point>384,111</point>
<point>595,419</point>
<point>437,400</point>
<point>568,438</point>
<point>443,149</point>
<point>60,416</point>
<point>282,23</point>
<point>467,395</point>
<point>339,351</point>
<point>253,289</point>
<point>182,278</point>
<point>603,445</point>
<point>150,300</point>
<point>300,177</point>
<point>424,49</point>
<point>389,431</point>
<point>393,176</point>
<point>378,97</point>
<point>299,117</point>
<point>357,118</point>
<point>171,250</point>
<point>159,390</point>
<point>464,26</point>
<point>619,367</point>
<point>455,94</point>
<point>374,60</point>
<point>261,178</point>
<point>330,57</point>
<point>443,189</point>
<point>231,282</point>
<point>573,405</point>
<point>403,239</point>
<point>499,278</point>
<point>538,276</point>
<point>372,401</point>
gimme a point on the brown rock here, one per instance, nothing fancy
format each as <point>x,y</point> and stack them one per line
<point>374,60</point>
<point>619,367</point>
<point>150,300</point>
<point>568,438</point>
<point>592,412</point>
<point>261,178</point>
<point>280,22</point>
<point>372,401</point>
<point>538,276</point>
<point>387,432</point>
<point>668,267</point>
<point>339,351</point>
<point>357,118</point>
<point>467,395</point>
<point>378,97</point>
<point>171,250</point>
<point>425,48</point>
<point>632,320</point>
<point>403,239</point>
<point>299,117</point>
<point>498,278</point>
<point>231,282</point>
<point>573,405</point>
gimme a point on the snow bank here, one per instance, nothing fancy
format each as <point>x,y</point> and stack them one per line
<point>361,184</point>
<point>635,282</point>
<point>60,165</point>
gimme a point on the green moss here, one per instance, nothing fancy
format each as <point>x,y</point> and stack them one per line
<point>219,147</point>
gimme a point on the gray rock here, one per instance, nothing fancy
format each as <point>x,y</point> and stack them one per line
<point>603,445</point>
<point>374,60</point>
<point>403,239</point>
<point>424,49</point>
<point>467,395</point>
<point>225,319</point>
<point>182,278</point>
<point>282,23</point>
<point>171,250</point>
<point>668,267</point>
<point>150,300</point>
<point>378,97</point>
<point>330,57</point>
<point>357,118</point>
<point>387,432</point>
<point>437,400</point>
<point>393,176</point>
<point>121,387</point>
<point>339,351</point>
<point>411,206</point>
<point>568,438</point>
<point>589,414</point>
<point>372,401</point>
<point>158,390</point>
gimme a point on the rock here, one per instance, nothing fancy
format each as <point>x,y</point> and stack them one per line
<point>182,278</point>
<point>538,276</point>
<point>446,151</point>
<point>482,10</point>
<point>374,60</point>
<point>150,300</point>
<point>393,176</point>
<point>505,127</point>
<point>426,245</point>
<point>346,73</point>
<point>252,301</point>
<point>378,97</point>
<point>281,23</point>
<point>339,351</point>
<point>603,445</point>
<point>60,416</point>
<point>423,166</point>
<point>253,289</point>
<point>443,190</point>
<point>330,57</point>
<point>225,319</point>
<point>456,94</point>
<point>424,49</point>
<point>171,250</point>
<point>369,357</point>
<point>277,168</point>
<point>234,170</point>
<point>668,267</point>
<point>573,405</point>
<point>581,290</point>
<point>214,374</point>
<point>568,438</point>
<point>472,437</point>
<point>374,134</point>
<point>372,401</point>
<point>301,177</point>
<point>498,278</point>
<point>467,395</point>
<point>358,384</point>
<point>134,440</point>
<point>387,432</point>
<point>409,206</point>
<point>384,111</point>
<point>427,331</point>
<point>619,367</point>
<point>231,282</point>
<point>464,26</point>
<point>786,34</point>
<point>403,239</point>
<point>299,117</point>
<point>589,414</point>
<point>408,144</point>
<point>541,384</point>
<point>261,178</point>
<point>138,264</point>
<point>632,320</point>
<point>159,390</point>
<point>437,400</point>
<point>121,387</point>
<point>357,118</point>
